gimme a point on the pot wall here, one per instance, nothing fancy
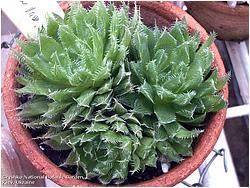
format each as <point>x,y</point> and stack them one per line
<point>228,23</point>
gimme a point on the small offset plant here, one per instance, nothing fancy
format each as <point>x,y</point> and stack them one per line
<point>118,94</point>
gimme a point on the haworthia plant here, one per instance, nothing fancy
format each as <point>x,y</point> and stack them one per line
<point>117,94</point>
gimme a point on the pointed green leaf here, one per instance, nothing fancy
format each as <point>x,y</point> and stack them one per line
<point>102,99</point>
<point>118,108</point>
<point>33,107</point>
<point>183,133</point>
<point>166,41</point>
<point>135,164</point>
<point>213,103</point>
<point>56,108</point>
<point>30,48</point>
<point>52,26</point>
<point>72,158</point>
<point>120,127</point>
<point>136,129</point>
<point>143,106</point>
<point>147,91</point>
<point>72,113</point>
<point>195,121</point>
<point>221,82</point>
<point>184,98</point>
<point>167,150</point>
<point>97,127</point>
<point>48,46</point>
<point>85,98</point>
<point>165,113</point>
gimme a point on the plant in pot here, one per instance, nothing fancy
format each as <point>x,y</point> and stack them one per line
<point>115,97</point>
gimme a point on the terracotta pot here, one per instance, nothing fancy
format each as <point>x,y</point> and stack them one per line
<point>228,23</point>
<point>165,14</point>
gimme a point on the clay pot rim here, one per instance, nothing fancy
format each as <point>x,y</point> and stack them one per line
<point>223,8</point>
<point>175,175</point>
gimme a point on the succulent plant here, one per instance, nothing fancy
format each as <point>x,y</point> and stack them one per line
<point>118,94</point>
